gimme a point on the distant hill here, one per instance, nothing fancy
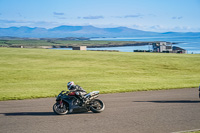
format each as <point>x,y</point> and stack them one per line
<point>182,33</point>
<point>80,31</point>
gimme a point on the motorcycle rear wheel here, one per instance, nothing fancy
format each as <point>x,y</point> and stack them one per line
<point>97,106</point>
<point>60,110</point>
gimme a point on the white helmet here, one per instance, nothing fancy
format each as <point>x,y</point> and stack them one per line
<point>70,85</point>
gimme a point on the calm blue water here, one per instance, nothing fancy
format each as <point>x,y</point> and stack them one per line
<point>191,44</point>
<point>121,49</point>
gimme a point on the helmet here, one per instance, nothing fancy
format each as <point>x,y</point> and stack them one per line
<point>70,85</point>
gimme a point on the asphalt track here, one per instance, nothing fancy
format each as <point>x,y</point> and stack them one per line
<point>136,112</point>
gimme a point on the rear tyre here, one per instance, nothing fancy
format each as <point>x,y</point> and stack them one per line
<point>60,110</point>
<point>97,106</point>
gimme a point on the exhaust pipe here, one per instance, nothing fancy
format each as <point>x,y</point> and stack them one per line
<point>93,97</point>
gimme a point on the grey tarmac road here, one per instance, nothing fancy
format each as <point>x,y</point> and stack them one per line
<point>135,112</point>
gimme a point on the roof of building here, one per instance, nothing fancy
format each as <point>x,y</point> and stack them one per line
<point>177,48</point>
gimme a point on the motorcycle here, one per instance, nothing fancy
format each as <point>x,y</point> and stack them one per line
<point>67,102</point>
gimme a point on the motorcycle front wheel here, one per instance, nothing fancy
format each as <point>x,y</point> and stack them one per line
<point>60,110</point>
<point>97,106</point>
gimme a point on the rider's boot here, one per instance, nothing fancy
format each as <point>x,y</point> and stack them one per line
<point>83,100</point>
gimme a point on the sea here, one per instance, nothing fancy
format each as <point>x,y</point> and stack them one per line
<point>191,44</point>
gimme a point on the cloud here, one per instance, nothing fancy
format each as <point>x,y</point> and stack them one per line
<point>58,13</point>
<point>92,17</point>
<point>162,28</point>
<point>152,15</point>
<point>8,21</point>
<point>61,17</point>
<point>129,16</point>
<point>179,17</point>
<point>156,27</point>
<point>133,16</point>
<point>18,23</point>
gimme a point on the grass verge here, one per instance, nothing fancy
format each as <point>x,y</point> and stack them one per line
<point>34,73</point>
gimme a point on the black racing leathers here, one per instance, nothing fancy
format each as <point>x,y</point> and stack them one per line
<point>80,92</point>
<point>77,88</point>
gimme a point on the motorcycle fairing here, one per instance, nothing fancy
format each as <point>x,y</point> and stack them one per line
<point>70,100</point>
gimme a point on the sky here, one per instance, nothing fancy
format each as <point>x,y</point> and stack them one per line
<point>147,15</point>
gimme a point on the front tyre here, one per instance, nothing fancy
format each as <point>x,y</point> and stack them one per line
<point>97,106</point>
<point>60,109</point>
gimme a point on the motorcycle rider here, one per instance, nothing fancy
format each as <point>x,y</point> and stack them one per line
<point>79,91</point>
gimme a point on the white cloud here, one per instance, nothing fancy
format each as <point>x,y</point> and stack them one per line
<point>18,23</point>
<point>177,17</point>
<point>129,16</point>
<point>133,16</point>
<point>58,13</point>
<point>92,17</point>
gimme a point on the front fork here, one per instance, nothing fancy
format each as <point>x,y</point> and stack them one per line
<point>61,103</point>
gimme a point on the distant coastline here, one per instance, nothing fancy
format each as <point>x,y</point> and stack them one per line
<point>191,44</point>
<point>67,42</point>
<point>122,44</point>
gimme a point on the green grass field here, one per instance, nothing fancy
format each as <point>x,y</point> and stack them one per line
<point>34,73</point>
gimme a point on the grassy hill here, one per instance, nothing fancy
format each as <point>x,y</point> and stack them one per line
<point>33,73</point>
<point>68,43</point>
